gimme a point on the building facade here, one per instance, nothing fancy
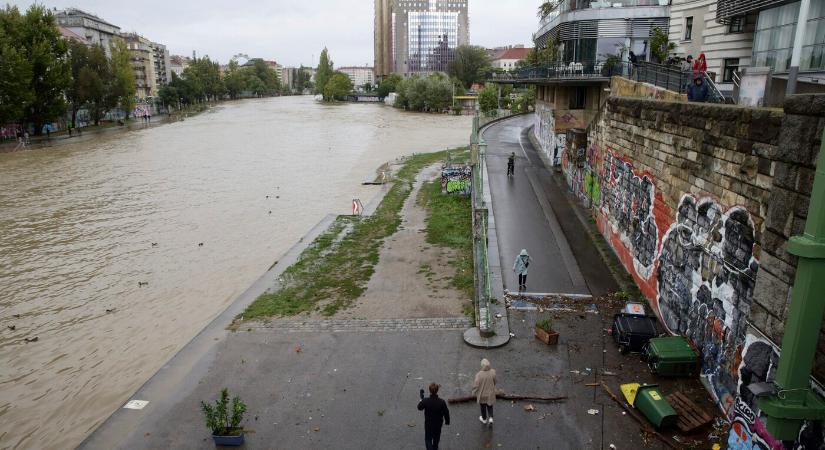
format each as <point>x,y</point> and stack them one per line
<point>585,34</point>
<point>163,66</point>
<point>177,64</point>
<point>359,75</point>
<point>506,58</point>
<point>93,29</point>
<point>383,56</point>
<point>425,34</point>
<point>143,65</point>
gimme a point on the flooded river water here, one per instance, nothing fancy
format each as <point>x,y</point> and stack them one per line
<point>84,224</point>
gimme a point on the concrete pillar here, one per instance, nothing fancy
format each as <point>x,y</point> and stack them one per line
<point>796,53</point>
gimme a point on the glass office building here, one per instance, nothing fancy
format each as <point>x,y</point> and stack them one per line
<point>426,34</point>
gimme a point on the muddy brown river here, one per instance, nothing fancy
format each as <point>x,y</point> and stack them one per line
<point>84,224</point>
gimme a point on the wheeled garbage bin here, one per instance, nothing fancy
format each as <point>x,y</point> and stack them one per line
<point>671,356</point>
<point>631,331</point>
<point>654,406</point>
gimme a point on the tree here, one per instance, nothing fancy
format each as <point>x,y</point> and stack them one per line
<point>324,72</point>
<point>45,53</point>
<point>15,71</point>
<point>547,7</point>
<point>660,45</point>
<point>538,56</point>
<point>233,80</point>
<point>389,84</point>
<point>338,86</point>
<point>93,84</point>
<point>488,99</point>
<point>78,59</point>
<point>267,75</point>
<point>433,93</point>
<point>122,88</point>
<point>367,87</point>
<point>471,65</point>
<point>439,93</point>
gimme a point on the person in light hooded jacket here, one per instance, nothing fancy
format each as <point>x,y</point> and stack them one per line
<point>484,388</point>
<point>520,267</point>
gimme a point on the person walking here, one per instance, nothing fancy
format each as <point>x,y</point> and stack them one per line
<point>484,388</point>
<point>520,267</point>
<point>436,413</point>
<point>511,164</point>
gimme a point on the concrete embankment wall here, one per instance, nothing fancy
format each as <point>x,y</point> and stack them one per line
<point>698,201</point>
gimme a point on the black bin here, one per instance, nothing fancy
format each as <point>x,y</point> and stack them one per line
<point>631,331</point>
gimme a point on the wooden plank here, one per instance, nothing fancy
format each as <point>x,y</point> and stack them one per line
<point>691,416</point>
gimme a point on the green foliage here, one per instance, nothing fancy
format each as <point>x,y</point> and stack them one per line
<point>471,65</point>
<point>122,89</point>
<point>93,84</point>
<point>324,72</point>
<point>488,99</point>
<point>433,93</point>
<point>34,67</point>
<point>660,46</point>
<point>390,84</point>
<point>545,324</point>
<point>450,224</point>
<point>337,87</point>
<point>257,79</point>
<point>220,419</point>
<point>538,56</point>
<point>547,7</point>
<point>303,79</point>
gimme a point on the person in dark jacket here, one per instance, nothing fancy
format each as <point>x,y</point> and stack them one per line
<point>436,413</point>
<point>698,91</point>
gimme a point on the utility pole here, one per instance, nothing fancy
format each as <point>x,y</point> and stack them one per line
<point>794,402</point>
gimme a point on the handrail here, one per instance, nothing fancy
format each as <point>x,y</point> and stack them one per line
<point>718,97</point>
<point>737,80</point>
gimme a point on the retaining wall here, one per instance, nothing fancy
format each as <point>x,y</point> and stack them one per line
<point>698,201</point>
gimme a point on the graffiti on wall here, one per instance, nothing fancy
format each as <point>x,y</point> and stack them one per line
<point>545,130</point>
<point>706,275</point>
<point>748,432</point>
<point>457,180</point>
<point>627,200</point>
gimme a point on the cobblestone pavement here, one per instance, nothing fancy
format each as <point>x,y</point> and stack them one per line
<point>342,325</point>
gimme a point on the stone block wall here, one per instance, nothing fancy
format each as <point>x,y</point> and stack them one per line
<point>698,201</point>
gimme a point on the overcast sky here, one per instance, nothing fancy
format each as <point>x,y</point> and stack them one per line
<point>291,32</point>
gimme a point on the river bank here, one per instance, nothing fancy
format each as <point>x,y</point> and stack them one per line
<point>79,224</point>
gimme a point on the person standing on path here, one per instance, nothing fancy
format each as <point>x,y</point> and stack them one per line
<point>511,164</point>
<point>436,413</point>
<point>484,388</point>
<point>520,267</point>
<point>700,66</point>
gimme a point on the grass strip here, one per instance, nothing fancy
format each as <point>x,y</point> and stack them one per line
<point>450,225</point>
<point>334,270</point>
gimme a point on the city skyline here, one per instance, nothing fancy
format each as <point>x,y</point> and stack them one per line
<point>220,30</point>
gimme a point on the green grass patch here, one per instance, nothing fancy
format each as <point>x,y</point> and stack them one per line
<point>450,224</point>
<point>334,270</point>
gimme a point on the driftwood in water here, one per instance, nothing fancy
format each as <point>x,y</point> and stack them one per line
<point>503,396</point>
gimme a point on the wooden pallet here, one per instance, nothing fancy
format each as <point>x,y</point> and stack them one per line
<point>691,416</point>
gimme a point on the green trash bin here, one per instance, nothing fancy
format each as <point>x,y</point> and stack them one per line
<point>654,406</point>
<point>671,356</point>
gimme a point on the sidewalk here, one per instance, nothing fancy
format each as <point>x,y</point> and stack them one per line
<point>531,212</point>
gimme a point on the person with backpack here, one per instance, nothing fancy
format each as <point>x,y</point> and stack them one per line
<point>520,267</point>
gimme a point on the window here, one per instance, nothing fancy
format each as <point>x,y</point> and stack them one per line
<point>688,27</point>
<point>578,96</point>
<point>737,24</point>
<point>731,67</point>
<point>773,40</point>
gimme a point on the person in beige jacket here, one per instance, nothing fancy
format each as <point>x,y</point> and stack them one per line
<point>484,388</point>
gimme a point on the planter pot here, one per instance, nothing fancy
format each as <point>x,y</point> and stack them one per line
<point>231,440</point>
<point>548,337</point>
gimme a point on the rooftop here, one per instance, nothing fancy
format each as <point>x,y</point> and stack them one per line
<point>69,12</point>
<point>512,53</point>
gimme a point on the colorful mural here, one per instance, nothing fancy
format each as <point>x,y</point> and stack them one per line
<point>457,180</point>
<point>758,364</point>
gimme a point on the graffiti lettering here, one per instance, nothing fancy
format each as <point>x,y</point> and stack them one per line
<point>456,180</point>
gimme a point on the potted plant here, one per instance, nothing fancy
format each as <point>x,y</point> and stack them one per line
<point>545,333</point>
<point>224,422</point>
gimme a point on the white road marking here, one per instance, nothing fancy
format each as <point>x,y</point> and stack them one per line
<point>522,147</point>
<point>136,404</point>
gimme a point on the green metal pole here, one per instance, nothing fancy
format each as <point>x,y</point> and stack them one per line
<point>795,402</point>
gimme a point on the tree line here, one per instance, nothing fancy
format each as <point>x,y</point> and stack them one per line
<point>329,83</point>
<point>42,76</point>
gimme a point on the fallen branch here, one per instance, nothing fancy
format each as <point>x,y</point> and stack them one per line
<point>503,396</point>
<point>642,422</point>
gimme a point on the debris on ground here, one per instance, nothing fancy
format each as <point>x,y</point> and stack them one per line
<point>512,397</point>
<point>298,349</point>
<point>529,408</point>
<point>592,412</point>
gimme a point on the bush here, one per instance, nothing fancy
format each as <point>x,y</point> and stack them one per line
<point>218,417</point>
<point>545,324</point>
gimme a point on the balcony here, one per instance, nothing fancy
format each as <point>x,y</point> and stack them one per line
<point>578,10</point>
